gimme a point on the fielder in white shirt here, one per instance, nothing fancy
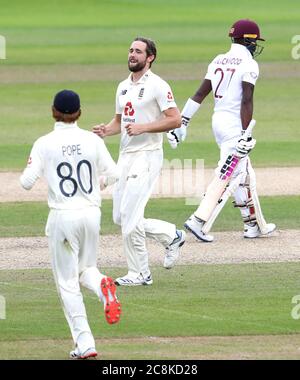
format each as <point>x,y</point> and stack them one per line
<point>145,108</point>
<point>72,160</point>
<point>231,78</point>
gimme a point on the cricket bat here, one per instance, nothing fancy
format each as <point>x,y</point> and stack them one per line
<point>217,186</point>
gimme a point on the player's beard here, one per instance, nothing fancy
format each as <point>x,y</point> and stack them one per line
<point>139,66</point>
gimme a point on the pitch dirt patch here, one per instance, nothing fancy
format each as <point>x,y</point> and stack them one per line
<point>228,248</point>
<point>254,347</point>
<point>167,185</point>
<point>62,73</point>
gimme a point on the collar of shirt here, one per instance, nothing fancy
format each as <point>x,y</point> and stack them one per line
<point>142,79</point>
<point>240,49</point>
<point>62,125</point>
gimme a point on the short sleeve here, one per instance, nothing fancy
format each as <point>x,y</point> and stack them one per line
<point>164,96</point>
<point>119,109</point>
<point>209,73</point>
<point>251,73</point>
<point>35,166</point>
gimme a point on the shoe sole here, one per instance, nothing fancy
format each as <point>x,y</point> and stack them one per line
<point>197,236</point>
<point>142,283</point>
<point>78,357</point>
<point>91,355</point>
<point>112,308</point>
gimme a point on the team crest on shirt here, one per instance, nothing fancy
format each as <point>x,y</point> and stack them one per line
<point>170,95</point>
<point>123,92</point>
<point>141,93</point>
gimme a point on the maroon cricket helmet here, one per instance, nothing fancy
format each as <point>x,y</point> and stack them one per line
<point>245,29</point>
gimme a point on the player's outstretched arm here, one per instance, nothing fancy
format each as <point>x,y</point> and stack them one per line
<point>191,107</point>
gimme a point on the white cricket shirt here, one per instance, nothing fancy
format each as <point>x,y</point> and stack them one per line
<point>142,102</point>
<point>72,160</point>
<point>226,73</point>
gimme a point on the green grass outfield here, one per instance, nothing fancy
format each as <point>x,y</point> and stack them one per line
<point>97,31</point>
<point>29,218</point>
<point>85,48</point>
<point>187,301</point>
<point>229,310</point>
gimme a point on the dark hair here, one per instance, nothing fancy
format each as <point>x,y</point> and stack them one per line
<point>150,47</point>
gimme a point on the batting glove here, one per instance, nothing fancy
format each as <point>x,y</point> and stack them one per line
<point>173,138</point>
<point>244,147</point>
<point>181,132</point>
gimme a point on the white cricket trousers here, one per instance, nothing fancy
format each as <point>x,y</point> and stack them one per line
<point>73,237</point>
<point>227,130</point>
<point>138,174</point>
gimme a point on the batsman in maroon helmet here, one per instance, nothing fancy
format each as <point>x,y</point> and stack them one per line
<point>231,78</point>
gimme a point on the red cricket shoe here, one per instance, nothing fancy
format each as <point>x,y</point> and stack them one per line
<point>112,307</point>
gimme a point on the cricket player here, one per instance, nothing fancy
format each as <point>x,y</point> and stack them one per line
<point>231,78</point>
<point>145,108</point>
<point>72,161</point>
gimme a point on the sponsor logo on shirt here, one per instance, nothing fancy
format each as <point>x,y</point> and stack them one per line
<point>128,120</point>
<point>253,75</point>
<point>128,110</point>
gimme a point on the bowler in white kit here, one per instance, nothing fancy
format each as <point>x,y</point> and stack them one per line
<point>145,107</point>
<point>72,160</point>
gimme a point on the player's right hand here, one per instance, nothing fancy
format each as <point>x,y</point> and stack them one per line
<point>243,147</point>
<point>100,130</point>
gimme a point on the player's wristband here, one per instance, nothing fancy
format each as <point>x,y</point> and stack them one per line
<point>190,108</point>
<point>185,121</point>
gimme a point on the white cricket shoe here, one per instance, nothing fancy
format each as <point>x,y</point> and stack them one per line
<point>134,281</point>
<point>251,232</point>
<point>89,353</point>
<point>172,250</point>
<point>195,227</point>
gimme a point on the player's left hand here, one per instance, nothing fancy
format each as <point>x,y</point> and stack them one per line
<point>134,129</point>
<point>100,130</point>
<point>181,132</point>
<point>175,136</point>
<point>244,147</point>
